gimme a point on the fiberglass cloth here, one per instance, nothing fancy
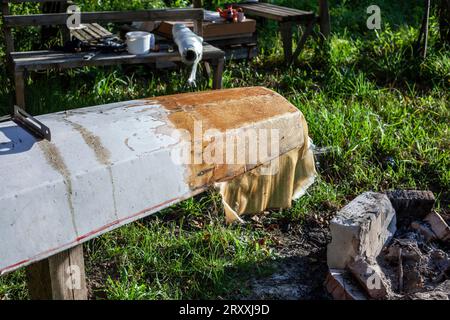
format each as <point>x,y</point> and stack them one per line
<point>288,178</point>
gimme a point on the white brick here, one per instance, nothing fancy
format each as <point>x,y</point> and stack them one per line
<point>361,228</point>
<point>438,225</point>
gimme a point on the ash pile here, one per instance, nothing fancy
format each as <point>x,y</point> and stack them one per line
<point>391,245</point>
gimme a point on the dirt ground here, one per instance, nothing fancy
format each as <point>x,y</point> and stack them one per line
<point>300,269</point>
<point>301,266</point>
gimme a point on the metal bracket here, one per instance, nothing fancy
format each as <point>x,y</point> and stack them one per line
<point>28,123</point>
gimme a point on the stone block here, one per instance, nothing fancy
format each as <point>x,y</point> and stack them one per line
<point>411,203</point>
<point>361,228</point>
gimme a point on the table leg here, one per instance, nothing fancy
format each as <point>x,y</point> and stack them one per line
<point>218,73</point>
<point>286,37</point>
<point>208,69</point>
<point>19,82</point>
<point>301,43</point>
<point>59,277</point>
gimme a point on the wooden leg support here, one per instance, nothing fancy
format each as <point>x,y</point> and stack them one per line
<point>301,44</point>
<point>423,34</point>
<point>60,277</point>
<point>286,37</point>
<point>19,83</point>
<point>208,70</point>
<point>324,18</point>
<point>218,73</point>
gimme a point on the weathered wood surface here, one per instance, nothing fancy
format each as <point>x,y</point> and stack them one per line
<point>274,12</point>
<point>212,30</point>
<point>42,60</point>
<point>59,277</point>
<point>90,32</point>
<point>304,38</point>
<point>9,41</point>
<point>47,59</point>
<point>19,85</point>
<point>109,165</point>
<point>422,41</point>
<point>104,16</point>
<point>324,18</point>
<point>286,37</point>
<point>239,40</point>
<point>288,18</point>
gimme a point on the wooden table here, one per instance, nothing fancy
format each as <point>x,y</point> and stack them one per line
<point>21,62</point>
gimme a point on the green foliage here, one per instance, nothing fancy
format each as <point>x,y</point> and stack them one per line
<point>175,259</point>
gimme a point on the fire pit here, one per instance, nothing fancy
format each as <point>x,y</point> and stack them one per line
<point>389,246</point>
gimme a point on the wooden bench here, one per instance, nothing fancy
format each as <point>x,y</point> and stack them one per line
<point>287,19</point>
<point>22,62</point>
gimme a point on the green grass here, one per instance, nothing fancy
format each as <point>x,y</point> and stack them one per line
<point>182,252</point>
<point>381,113</point>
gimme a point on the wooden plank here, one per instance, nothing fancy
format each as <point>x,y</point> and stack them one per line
<point>100,30</point>
<point>104,16</point>
<point>198,27</point>
<point>241,52</point>
<point>282,10</point>
<point>19,83</point>
<point>275,12</point>
<point>39,281</point>
<point>7,31</point>
<point>90,33</point>
<point>213,30</point>
<point>61,60</point>
<point>237,39</point>
<point>79,34</point>
<point>301,44</point>
<point>285,9</point>
<point>422,50</point>
<point>324,18</point>
<point>59,277</point>
<point>260,13</point>
<point>278,17</point>
<point>93,35</point>
<point>286,36</point>
<point>32,53</point>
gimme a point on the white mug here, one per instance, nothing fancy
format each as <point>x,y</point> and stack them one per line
<point>138,42</point>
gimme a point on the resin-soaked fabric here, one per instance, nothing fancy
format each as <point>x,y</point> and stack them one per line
<point>274,185</point>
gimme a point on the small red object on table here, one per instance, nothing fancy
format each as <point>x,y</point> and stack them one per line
<point>230,14</point>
